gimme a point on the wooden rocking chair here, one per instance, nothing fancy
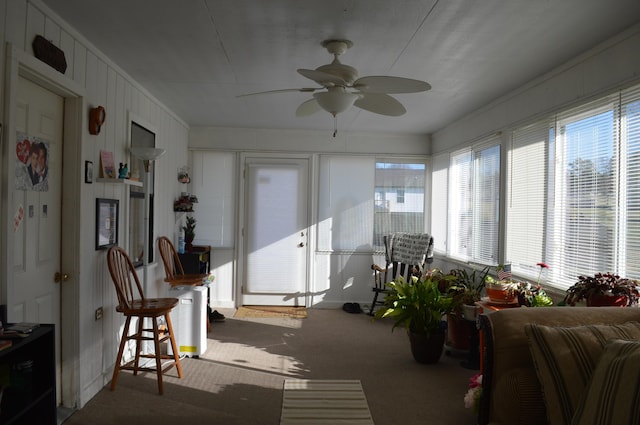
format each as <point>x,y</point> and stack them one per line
<point>406,255</point>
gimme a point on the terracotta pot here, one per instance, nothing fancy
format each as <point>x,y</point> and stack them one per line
<point>427,349</point>
<point>599,300</point>
<point>458,332</point>
<point>500,294</point>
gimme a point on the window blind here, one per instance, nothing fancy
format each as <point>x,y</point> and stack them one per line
<point>527,168</point>
<point>585,205</point>
<point>474,202</point>
<point>630,182</point>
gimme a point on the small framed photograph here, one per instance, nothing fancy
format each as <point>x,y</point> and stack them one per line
<point>88,172</point>
<point>106,223</point>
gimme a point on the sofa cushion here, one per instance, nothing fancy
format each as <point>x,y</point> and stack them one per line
<point>613,394</point>
<point>521,387</point>
<point>565,358</point>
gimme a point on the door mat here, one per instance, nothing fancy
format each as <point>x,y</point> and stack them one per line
<point>263,311</point>
<point>327,402</point>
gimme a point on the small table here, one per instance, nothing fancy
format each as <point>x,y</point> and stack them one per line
<point>197,261</point>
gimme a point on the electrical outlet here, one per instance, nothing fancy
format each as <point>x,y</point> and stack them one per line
<point>98,313</point>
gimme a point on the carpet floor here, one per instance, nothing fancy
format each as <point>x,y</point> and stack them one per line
<point>240,377</point>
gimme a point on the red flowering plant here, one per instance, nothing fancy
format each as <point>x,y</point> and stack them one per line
<point>533,295</point>
<point>472,397</point>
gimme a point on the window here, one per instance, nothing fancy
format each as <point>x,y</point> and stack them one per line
<point>402,186</point>
<point>382,196</point>
<point>575,191</point>
<point>140,137</point>
<point>474,195</point>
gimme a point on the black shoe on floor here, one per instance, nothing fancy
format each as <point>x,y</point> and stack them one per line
<point>216,316</point>
<point>353,308</point>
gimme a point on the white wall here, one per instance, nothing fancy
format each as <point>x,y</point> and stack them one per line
<point>89,369</point>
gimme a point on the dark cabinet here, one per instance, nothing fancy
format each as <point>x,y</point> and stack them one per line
<point>28,379</point>
<point>197,261</point>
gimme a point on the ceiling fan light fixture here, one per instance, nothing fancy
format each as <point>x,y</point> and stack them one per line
<point>335,101</point>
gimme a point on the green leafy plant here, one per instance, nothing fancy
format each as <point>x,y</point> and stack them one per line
<point>466,287</point>
<point>189,228</point>
<point>417,305</point>
<point>603,284</point>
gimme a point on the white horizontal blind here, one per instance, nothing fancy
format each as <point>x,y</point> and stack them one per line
<point>213,183</point>
<point>474,201</point>
<point>527,166</point>
<point>460,202</point>
<point>486,205</point>
<point>586,196</point>
<point>630,182</point>
<point>439,201</point>
<point>345,207</point>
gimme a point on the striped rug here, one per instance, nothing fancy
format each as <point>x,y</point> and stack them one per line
<point>324,402</point>
<point>265,311</point>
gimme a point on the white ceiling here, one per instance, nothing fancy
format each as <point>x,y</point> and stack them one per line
<point>196,56</point>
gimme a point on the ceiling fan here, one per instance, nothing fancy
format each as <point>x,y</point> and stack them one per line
<point>341,88</point>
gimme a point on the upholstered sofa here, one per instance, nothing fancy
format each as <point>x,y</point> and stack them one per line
<point>530,367</point>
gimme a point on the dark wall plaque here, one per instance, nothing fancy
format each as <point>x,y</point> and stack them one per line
<point>49,54</point>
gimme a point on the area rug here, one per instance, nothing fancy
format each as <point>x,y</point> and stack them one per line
<point>324,402</point>
<point>261,311</point>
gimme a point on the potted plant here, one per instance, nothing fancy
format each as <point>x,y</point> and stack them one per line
<point>604,289</point>
<point>465,289</point>
<point>419,306</point>
<point>502,290</point>
<point>189,233</point>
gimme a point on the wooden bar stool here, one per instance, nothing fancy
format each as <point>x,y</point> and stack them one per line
<point>133,304</point>
<point>174,272</point>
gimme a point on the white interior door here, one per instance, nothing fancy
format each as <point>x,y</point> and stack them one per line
<point>275,231</point>
<point>34,296</point>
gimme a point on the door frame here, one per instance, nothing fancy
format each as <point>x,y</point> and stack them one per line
<point>19,63</point>
<point>242,202</point>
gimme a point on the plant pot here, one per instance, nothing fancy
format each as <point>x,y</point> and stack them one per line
<point>470,312</point>
<point>501,294</point>
<point>458,332</point>
<point>600,300</point>
<point>188,244</point>
<point>427,349</point>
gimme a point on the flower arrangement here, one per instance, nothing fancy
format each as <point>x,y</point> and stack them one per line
<point>472,397</point>
<point>524,293</point>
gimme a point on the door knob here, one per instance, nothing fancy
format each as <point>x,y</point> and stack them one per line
<point>61,277</point>
<point>301,245</point>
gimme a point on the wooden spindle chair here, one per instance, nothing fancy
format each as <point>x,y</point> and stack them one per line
<point>133,304</point>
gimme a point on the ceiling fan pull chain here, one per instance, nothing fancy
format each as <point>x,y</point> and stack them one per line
<point>335,125</point>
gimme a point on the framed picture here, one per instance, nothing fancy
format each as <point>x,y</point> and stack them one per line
<point>88,172</point>
<point>106,222</point>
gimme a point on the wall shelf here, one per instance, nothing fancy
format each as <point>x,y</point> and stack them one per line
<point>120,181</point>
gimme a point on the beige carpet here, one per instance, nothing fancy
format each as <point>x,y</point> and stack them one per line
<point>324,402</point>
<point>266,312</point>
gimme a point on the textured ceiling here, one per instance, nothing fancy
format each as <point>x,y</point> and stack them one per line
<point>197,56</point>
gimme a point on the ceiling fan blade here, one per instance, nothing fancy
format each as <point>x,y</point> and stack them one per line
<point>382,84</point>
<point>307,108</point>
<point>382,104</point>
<point>322,78</point>
<point>303,90</point>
